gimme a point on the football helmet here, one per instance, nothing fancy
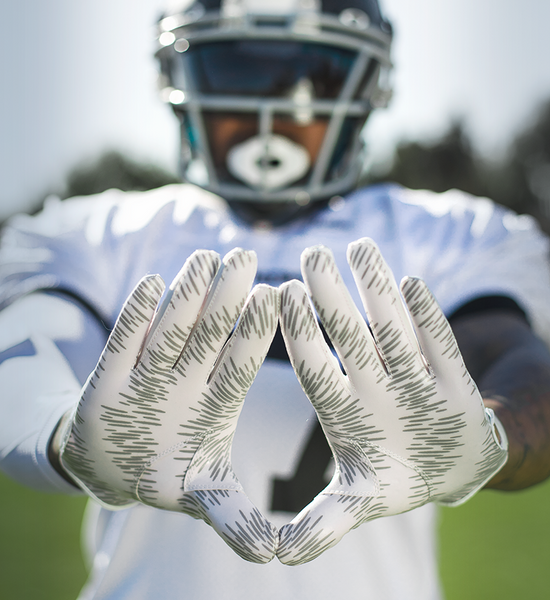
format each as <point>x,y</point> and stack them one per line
<point>272,95</point>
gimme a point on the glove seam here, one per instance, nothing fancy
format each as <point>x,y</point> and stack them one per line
<point>209,486</point>
<point>403,461</point>
<point>170,450</point>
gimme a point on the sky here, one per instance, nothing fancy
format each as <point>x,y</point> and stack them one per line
<point>78,78</point>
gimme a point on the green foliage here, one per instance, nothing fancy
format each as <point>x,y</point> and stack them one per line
<point>443,164</point>
<point>524,180</point>
<point>520,180</point>
<point>495,547</point>
<point>40,555</point>
<point>113,170</point>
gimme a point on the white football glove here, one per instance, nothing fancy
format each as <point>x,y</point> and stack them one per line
<point>406,427</point>
<point>156,419</point>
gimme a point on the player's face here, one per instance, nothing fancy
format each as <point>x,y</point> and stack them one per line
<point>261,121</point>
<point>228,130</point>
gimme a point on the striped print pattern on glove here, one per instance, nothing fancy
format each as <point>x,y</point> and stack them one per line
<point>156,419</point>
<point>404,419</point>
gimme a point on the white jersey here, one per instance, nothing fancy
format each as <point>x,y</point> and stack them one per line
<point>95,249</point>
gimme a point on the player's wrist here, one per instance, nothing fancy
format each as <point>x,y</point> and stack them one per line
<point>528,448</point>
<point>506,476</point>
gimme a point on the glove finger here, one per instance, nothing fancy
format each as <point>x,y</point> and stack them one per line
<point>239,523</point>
<point>385,310</point>
<point>319,526</point>
<point>117,360</point>
<point>351,498</point>
<point>213,493</point>
<point>343,322</point>
<point>125,344</point>
<point>316,367</point>
<point>208,489</point>
<point>483,439</point>
<point>215,409</point>
<point>222,308</point>
<point>241,358</point>
<point>434,333</point>
<point>180,309</point>
<point>208,483</point>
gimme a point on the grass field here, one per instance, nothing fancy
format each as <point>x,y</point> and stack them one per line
<point>495,547</point>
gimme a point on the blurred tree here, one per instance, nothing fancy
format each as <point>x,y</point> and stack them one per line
<point>524,180</point>
<point>113,170</point>
<point>520,180</point>
<point>440,165</point>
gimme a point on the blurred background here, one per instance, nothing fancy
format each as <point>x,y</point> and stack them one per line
<point>79,113</point>
<point>79,79</point>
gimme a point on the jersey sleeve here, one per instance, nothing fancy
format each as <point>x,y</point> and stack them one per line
<point>97,248</point>
<point>48,346</point>
<point>68,246</point>
<point>468,248</point>
<point>64,275</point>
<point>48,343</point>
<point>58,301</point>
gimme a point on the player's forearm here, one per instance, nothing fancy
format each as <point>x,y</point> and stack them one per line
<point>523,407</point>
<point>512,369</point>
<point>528,452</point>
<point>38,384</point>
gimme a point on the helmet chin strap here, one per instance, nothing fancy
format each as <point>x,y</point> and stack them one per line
<point>268,162</point>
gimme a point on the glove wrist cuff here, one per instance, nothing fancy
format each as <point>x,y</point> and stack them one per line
<point>486,469</point>
<point>56,444</point>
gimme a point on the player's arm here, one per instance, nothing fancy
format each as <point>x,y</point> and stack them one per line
<point>511,367</point>
<point>154,421</point>
<point>49,343</point>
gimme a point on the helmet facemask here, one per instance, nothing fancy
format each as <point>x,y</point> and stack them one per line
<point>272,105</point>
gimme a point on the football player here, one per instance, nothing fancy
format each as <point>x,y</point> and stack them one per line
<point>279,386</point>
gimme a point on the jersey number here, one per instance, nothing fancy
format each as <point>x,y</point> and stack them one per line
<point>291,495</point>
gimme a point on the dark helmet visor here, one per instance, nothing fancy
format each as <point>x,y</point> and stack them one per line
<point>267,68</point>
